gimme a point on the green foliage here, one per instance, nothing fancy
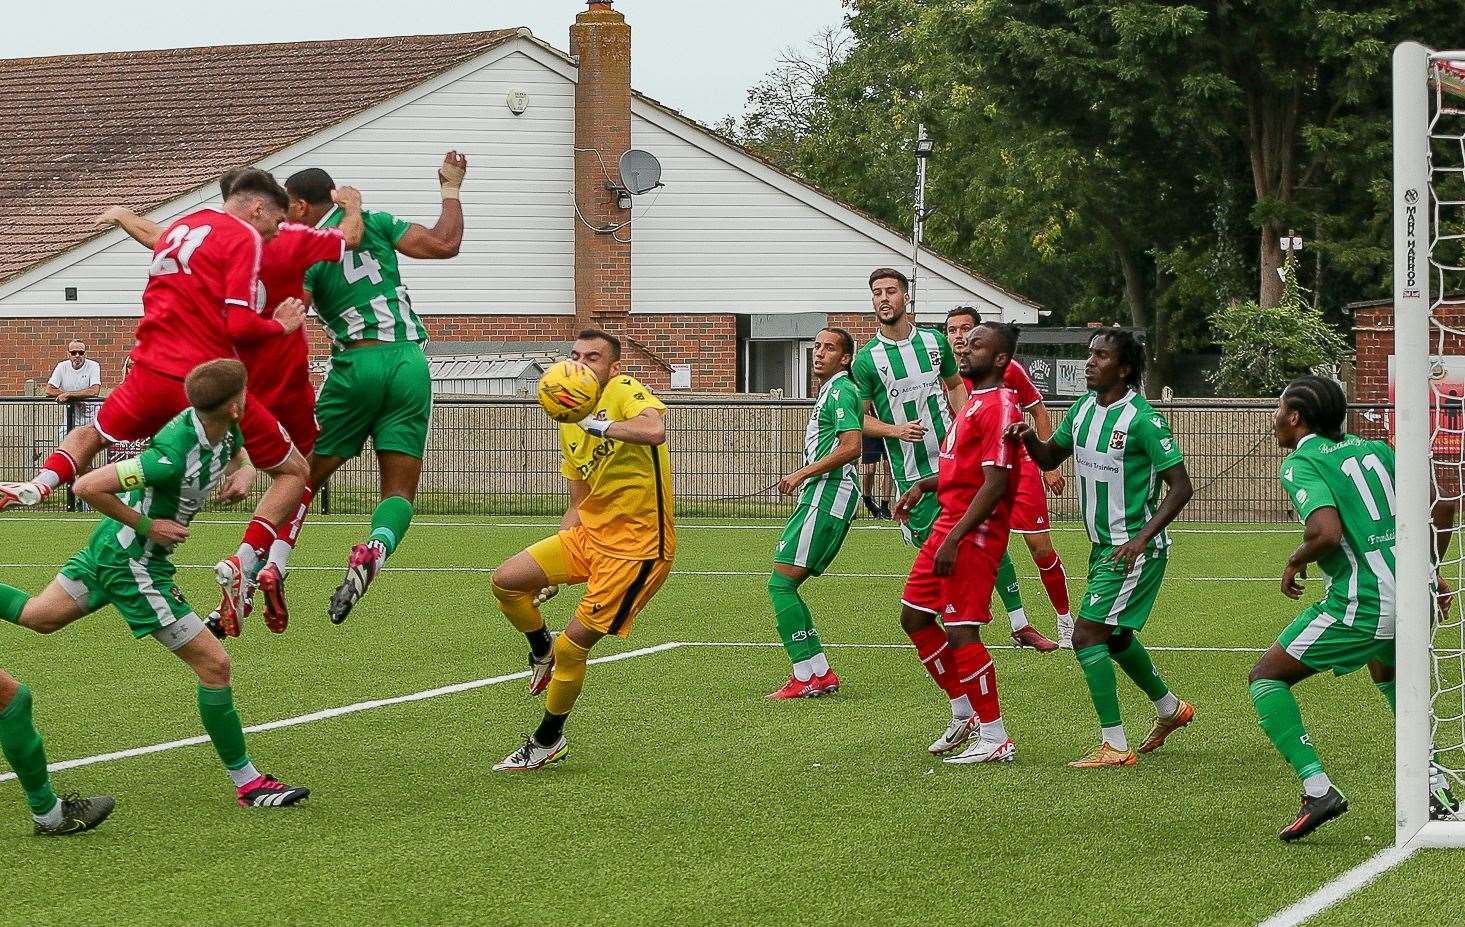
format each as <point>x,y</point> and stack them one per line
<point>1123,160</point>
<point>1263,348</point>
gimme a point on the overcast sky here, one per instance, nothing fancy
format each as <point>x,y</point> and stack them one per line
<point>699,56</point>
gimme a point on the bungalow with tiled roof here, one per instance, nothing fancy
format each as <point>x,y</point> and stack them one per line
<point>717,280</point>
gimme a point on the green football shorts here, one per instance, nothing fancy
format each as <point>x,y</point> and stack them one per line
<point>144,593</point>
<point>810,540</point>
<point>923,518</point>
<point>382,391</point>
<point>1321,642</point>
<point>1122,599</point>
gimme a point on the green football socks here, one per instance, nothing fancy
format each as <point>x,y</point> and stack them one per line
<point>1281,720</point>
<point>26,752</point>
<point>795,623</point>
<point>12,602</point>
<point>1098,672</point>
<point>389,522</point>
<point>1007,587</point>
<point>221,720</point>
<point>1136,663</point>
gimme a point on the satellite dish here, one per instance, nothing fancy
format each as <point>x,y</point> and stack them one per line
<point>640,171</point>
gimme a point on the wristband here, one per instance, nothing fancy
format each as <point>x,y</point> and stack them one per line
<point>449,191</point>
<point>596,426</point>
<point>142,526</point>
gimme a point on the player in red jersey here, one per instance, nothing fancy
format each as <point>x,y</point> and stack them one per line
<point>1030,510</point>
<point>948,596</point>
<point>279,376</point>
<point>201,296</point>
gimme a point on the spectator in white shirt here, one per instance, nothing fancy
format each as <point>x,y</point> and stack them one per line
<point>77,378</point>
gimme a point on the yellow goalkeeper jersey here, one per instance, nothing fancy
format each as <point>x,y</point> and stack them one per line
<point>628,513</point>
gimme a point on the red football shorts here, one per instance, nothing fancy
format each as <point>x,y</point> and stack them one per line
<point>146,401</point>
<point>1030,503</point>
<point>965,596</point>
<point>295,411</point>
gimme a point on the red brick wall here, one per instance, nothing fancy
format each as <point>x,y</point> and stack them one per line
<point>651,343</point>
<point>1373,340</point>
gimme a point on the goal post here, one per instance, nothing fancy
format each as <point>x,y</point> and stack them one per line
<point>1412,437</point>
<point>1428,200</point>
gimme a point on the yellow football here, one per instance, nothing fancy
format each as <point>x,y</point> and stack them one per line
<point>568,391</point>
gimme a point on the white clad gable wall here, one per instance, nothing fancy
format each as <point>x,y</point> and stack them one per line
<point>518,249</point>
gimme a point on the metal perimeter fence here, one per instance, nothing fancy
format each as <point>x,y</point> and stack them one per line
<point>500,456</point>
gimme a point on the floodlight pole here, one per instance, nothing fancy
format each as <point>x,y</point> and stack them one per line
<point>918,226</point>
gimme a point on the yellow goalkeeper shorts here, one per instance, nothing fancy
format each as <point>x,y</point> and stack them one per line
<point>615,590</point>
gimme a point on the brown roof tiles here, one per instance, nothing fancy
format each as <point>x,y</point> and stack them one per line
<point>141,128</point>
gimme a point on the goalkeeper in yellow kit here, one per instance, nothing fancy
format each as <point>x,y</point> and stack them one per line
<point>616,537</point>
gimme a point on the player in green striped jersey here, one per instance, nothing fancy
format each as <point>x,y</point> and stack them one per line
<point>378,385</point>
<point>127,563</point>
<point>1122,450</point>
<point>908,379</point>
<point>1342,488</point>
<point>828,490</point>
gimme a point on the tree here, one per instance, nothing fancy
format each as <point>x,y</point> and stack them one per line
<point>1263,348</point>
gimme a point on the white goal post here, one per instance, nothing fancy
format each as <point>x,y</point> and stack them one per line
<point>1428,123</point>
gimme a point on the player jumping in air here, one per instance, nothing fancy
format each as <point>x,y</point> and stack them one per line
<point>1030,509</point>
<point>617,537</point>
<point>200,300</point>
<point>279,376</point>
<point>128,564</point>
<point>379,385</point>
<point>1122,451</point>
<point>828,494</point>
<point>948,596</point>
<point>1342,487</point>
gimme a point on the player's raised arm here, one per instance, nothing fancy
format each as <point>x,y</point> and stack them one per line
<point>353,224</point>
<point>145,232</point>
<point>445,238</point>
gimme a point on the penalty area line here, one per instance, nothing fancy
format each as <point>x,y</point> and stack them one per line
<point>327,713</point>
<point>1337,889</point>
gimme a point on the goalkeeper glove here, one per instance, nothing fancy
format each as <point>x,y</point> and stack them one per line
<point>596,426</point>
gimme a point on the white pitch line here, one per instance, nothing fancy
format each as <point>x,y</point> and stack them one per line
<point>1335,890</point>
<point>757,573</point>
<point>326,521</point>
<point>1149,647</point>
<point>326,713</point>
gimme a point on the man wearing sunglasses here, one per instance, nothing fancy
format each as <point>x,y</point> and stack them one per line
<point>76,378</point>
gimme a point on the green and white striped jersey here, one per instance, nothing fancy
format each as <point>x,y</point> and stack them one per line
<point>362,295</point>
<point>903,380</point>
<point>1118,454</point>
<point>837,410</point>
<point>171,479</point>
<point>1355,477</point>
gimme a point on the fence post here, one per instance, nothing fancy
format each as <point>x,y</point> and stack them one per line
<point>71,404</point>
<point>325,497</point>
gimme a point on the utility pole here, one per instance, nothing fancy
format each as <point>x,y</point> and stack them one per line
<point>924,148</point>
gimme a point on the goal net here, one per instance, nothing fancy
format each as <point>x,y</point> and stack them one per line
<point>1429,402</point>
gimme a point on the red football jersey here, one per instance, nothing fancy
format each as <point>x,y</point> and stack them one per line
<point>278,366</point>
<point>976,441</point>
<point>205,265</point>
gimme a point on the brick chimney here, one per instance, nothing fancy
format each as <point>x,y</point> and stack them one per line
<point>601,40</point>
